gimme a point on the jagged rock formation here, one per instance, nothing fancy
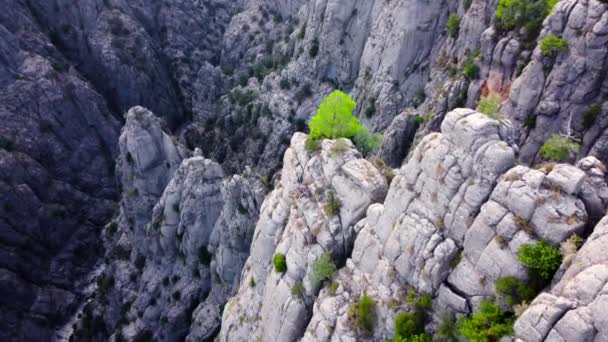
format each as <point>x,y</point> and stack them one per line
<point>236,79</point>
<point>295,221</point>
<point>453,243</point>
<point>177,247</point>
<point>575,308</point>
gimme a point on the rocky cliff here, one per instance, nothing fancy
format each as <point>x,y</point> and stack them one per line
<point>237,79</point>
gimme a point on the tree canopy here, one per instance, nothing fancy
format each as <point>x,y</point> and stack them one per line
<point>334,117</point>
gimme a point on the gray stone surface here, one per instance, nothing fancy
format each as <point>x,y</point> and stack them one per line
<point>574,309</point>
<point>293,222</point>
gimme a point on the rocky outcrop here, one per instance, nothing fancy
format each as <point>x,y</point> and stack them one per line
<point>565,92</point>
<point>574,309</point>
<point>411,240</point>
<point>57,146</point>
<point>176,249</point>
<point>237,79</point>
<point>312,211</point>
<point>453,243</point>
<point>525,206</point>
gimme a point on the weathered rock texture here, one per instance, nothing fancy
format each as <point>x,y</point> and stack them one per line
<point>575,308</point>
<point>295,221</point>
<point>237,79</point>
<point>451,225</point>
<point>177,247</point>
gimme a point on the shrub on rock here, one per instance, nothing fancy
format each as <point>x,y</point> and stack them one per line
<point>322,269</point>
<point>280,264</point>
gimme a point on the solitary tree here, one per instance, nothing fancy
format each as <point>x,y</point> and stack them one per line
<point>334,118</point>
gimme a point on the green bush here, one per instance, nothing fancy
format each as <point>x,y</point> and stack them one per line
<point>322,269</point>
<point>514,291</point>
<point>409,328</point>
<point>488,323</point>
<point>552,44</point>
<point>366,313</point>
<point>334,117</point>
<point>333,205</point>
<point>280,263</point>
<point>311,144</point>
<point>470,70</point>
<point>367,142</point>
<point>297,290</point>
<point>540,258</point>
<point>447,328</point>
<point>453,25</point>
<point>406,325</point>
<point>558,148</point>
<point>489,104</point>
<point>528,14</point>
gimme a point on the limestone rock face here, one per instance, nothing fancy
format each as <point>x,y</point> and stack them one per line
<point>311,211</point>
<point>452,222</point>
<point>574,309</point>
<point>176,249</point>
<point>525,206</point>
<point>579,107</point>
<point>148,160</point>
<point>410,240</point>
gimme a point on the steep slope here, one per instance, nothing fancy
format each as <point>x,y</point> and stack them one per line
<point>175,251</point>
<point>410,241</point>
<point>237,79</point>
<point>57,145</point>
<point>310,213</point>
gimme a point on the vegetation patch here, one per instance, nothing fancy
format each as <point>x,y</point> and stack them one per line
<point>334,119</point>
<point>526,14</point>
<point>558,148</point>
<point>333,205</point>
<point>453,25</point>
<point>365,315</point>
<point>322,269</point>
<point>540,258</point>
<point>279,262</point>
<point>489,104</point>
<point>551,44</point>
<point>488,323</point>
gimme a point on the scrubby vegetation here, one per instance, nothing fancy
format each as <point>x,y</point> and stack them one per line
<point>526,14</point>
<point>488,323</point>
<point>409,326</point>
<point>334,120</point>
<point>297,290</point>
<point>489,104</point>
<point>470,70</point>
<point>552,44</point>
<point>513,291</point>
<point>558,148</point>
<point>280,263</point>
<point>540,258</point>
<point>322,269</point>
<point>365,315</point>
<point>453,25</point>
<point>333,205</point>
